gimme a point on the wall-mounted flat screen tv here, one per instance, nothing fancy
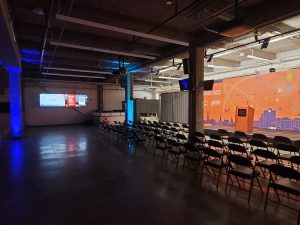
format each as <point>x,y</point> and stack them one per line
<point>185,84</point>
<point>63,100</point>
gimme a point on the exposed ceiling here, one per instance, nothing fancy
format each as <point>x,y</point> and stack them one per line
<point>85,39</point>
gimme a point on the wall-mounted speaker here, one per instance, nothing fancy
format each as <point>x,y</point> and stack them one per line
<point>186,66</point>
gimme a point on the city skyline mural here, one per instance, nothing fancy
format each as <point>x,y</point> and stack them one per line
<point>275,98</point>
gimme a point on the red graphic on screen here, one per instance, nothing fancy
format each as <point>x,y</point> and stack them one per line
<point>70,100</point>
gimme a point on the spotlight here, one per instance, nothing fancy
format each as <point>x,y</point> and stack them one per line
<point>265,43</point>
<point>210,58</point>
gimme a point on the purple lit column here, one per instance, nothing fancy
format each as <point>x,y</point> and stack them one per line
<point>15,101</point>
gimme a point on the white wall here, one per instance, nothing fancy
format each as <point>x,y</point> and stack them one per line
<point>37,116</point>
<point>145,94</point>
<point>113,95</point>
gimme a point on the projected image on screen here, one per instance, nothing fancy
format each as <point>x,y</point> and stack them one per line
<point>63,100</point>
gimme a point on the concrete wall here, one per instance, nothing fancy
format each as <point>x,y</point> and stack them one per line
<point>113,95</point>
<point>37,116</point>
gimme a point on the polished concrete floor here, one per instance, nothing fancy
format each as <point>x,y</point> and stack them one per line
<point>71,176</point>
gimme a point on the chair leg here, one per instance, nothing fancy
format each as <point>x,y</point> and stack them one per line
<point>262,193</point>
<point>228,175</point>
<point>251,185</point>
<point>154,153</point>
<point>267,196</point>
<point>220,170</point>
<point>183,166</point>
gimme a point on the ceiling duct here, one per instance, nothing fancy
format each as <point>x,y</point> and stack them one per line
<point>235,27</point>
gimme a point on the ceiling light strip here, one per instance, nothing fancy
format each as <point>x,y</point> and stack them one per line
<point>118,29</point>
<point>77,70</point>
<point>67,45</point>
<point>71,75</point>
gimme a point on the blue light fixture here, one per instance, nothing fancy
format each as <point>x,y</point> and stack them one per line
<point>30,52</point>
<point>15,101</point>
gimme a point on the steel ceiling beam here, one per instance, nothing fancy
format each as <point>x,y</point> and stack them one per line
<point>118,29</point>
<point>88,48</point>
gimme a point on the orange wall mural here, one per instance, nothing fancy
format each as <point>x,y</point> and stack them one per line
<point>274,96</point>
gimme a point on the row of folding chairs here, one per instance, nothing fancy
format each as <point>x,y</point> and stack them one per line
<point>237,159</point>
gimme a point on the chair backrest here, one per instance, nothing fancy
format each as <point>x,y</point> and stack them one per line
<point>196,139</point>
<point>237,148</point>
<point>159,139</point>
<point>284,171</point>
<point>223,132</point>
<point>215,144</point>
<point>265,154</point>
<point>235,140</point>
<point>199,134</point>
<point>259,136</point>
<point>215,137</point>
<point>287,147</point>
<point>295,159</point>
<point>281,140</point>
<point>181,137</point>
<point>297,144</point>
<point>240,160</point>
<point>241,134</point>
<point>176,125</point>
<point>174,129</point>
<point>172,142</point>
<point>211,152</point>
<point>185,126</point>
<point>258,144</point>
<point>190,147</point>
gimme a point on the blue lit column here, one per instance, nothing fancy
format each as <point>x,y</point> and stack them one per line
<point>15,101</point>
<point>129,102</point>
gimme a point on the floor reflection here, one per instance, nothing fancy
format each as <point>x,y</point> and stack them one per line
<point>16,160</point>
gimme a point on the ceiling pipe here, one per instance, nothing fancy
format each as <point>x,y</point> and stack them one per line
<point>46,33</point>
<point>118,29</point>
<point>61,32</point>
<point>67,45</point>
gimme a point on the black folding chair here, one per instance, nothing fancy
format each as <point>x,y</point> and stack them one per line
<point>291,149</point>
<point>175,151</point>
<point>214,160</point>
<point>283,179</point>
<point>242,136</point>
<point>237,149</point>
<point>218,146</point>
<point>242,167</point>
<point>264,158</point>
<point>160,146</point>
<point>192,157</point>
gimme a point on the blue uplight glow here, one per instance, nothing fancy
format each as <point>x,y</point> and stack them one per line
<point>15,101</point>
<point>129,102</point>
<point>30,52</point>
<point>16,160</point>
<point>117,62</point>
<point>31,61</point>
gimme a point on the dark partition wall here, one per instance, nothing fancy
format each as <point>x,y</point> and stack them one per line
<point>174,107</point>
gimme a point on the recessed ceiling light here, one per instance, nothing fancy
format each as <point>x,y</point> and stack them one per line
<point>169,2</point>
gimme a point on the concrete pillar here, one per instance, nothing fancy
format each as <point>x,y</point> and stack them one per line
<point>129,111</point>
<point>196,67</point>
<point>16,124</point>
